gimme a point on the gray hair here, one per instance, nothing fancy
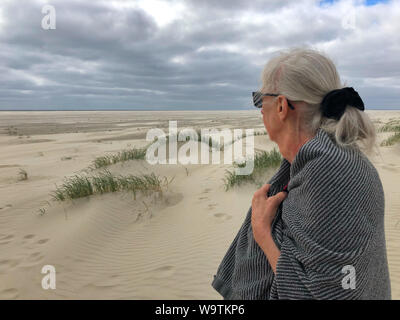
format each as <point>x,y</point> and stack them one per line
<point>307,75</point>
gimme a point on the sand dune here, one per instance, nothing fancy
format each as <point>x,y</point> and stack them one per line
<point>112,246</point>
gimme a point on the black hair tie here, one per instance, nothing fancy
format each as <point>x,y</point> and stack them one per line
<point>334,103</point>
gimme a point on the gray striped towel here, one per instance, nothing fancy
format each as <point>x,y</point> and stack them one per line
<point>329,229</point>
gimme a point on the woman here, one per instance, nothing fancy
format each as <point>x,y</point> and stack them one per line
<point>316,229</point>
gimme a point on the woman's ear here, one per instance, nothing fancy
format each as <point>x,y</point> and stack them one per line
<point>283,111</point>
<point>280,103</point>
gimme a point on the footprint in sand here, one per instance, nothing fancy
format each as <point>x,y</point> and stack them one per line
<point>29,244</point>
<point>5,265</point>
<point>211,206</point>
<point>32,260</point>
<point>222,216</point>
<point>207,190</point>
<point>4,236</point>
<point>5,239</point>
<point>35,257</point>
<point>203,198</point>
<point>43,241</point>
<point>7,206</point>
<point>26,238</point>
<point>164,271</point>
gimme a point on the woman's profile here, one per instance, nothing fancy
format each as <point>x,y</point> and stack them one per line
<point>316,229</point>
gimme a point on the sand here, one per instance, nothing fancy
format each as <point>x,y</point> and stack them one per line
<point>112,246</point>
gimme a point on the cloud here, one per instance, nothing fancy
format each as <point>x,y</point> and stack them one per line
<point>186,54</point>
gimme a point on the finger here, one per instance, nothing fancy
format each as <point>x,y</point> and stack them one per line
<point>265,188</point>
<point>279,197</point>
<point>262,192</point>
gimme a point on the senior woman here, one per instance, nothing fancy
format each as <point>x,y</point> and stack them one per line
<point>316,229</point>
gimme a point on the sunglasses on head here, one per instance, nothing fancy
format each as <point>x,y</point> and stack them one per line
<point>257,99</point>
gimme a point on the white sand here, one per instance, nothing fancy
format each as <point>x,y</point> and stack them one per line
<point>99,247</point>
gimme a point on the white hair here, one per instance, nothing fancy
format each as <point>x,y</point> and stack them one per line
<point>307,75</point>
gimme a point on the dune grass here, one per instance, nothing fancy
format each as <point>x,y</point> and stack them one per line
<point>140,153</point>
<point>262,162</point>
<point>393,139</point>
<point>122,156</point>
<point>231,179</point>
<point>80,186</point>
<point>391,126</point>
<point>215,143</point>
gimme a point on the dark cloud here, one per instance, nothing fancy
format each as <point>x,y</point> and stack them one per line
<point>107,55</point>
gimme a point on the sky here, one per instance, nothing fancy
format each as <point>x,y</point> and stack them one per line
<point>183,55</point>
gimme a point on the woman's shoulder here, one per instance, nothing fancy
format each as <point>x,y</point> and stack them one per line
<point>343,168</point>
<point>335,182</point>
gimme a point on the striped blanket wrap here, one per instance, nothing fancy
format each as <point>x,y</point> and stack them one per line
<point>329,230</point>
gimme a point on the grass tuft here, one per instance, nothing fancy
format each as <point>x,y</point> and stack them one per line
<point>262,162</point>
<point>140,153</point>
<point>122,156</point>
<point>80,186</point>
<point>391,140</point>
<point>391,126</point>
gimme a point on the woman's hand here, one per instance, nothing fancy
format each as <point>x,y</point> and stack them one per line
<point>263,211</point>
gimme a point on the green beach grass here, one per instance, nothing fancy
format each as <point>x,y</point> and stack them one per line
<point>122,156</point>
<point>393,139</point>
<point>391,126</point>
<point>263,161</point>
<point>216,144</point>
<point>80,186</point>
<point>140,153</point>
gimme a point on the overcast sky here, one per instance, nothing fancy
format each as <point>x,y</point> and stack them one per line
<point>194,54</point>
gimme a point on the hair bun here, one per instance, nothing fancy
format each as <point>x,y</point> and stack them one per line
<point>334,103</point>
